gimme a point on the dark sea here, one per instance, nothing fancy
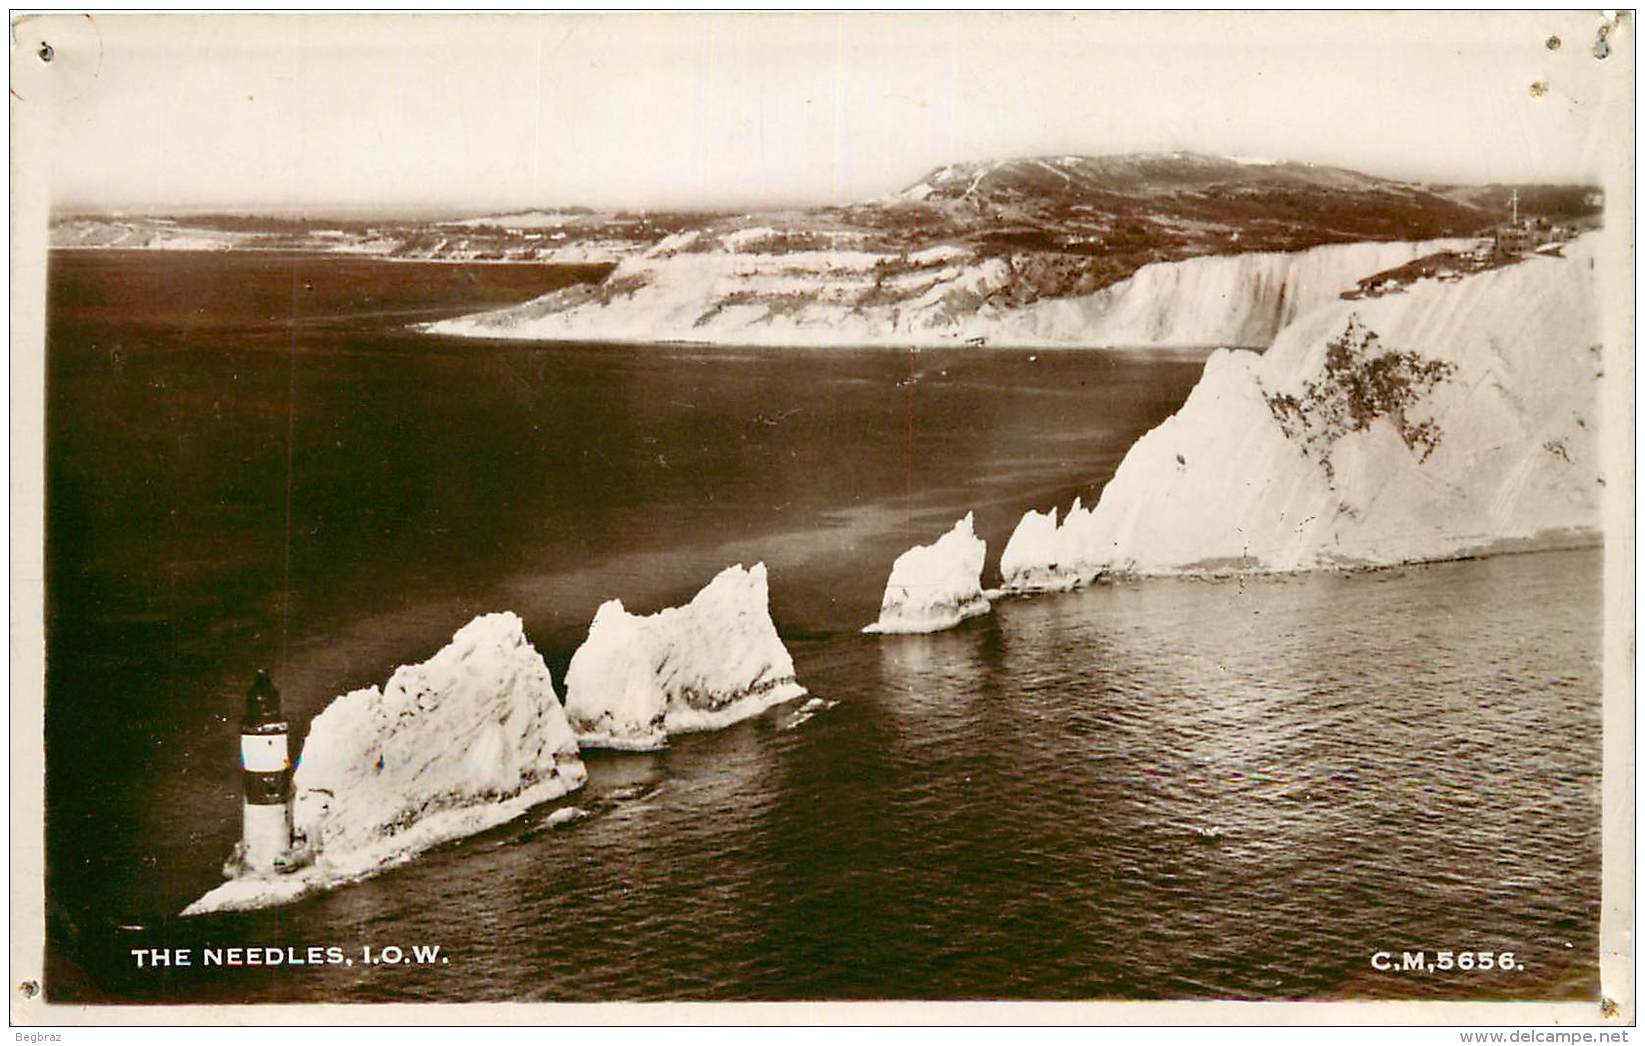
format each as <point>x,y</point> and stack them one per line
<point>1163,789</point>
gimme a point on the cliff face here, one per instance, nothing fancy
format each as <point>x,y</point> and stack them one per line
<point>1230,300</point>
<point>742,289</point>
<point>1448,419</point>
<point>1167,249</point>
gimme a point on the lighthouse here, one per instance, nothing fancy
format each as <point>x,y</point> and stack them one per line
<point>265,759</point>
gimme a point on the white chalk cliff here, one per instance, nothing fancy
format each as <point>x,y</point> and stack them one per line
<point>935,586</point>
<point>1229,300</point>
<point>1449,419</point>
<point>467,740</point>
<point>717,660</point>
<point>745,288</point>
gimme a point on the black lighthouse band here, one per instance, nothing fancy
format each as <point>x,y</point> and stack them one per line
<point>267,787</point>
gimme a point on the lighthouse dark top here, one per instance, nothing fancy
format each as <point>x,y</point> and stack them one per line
<point>263,753</point>
<point>262,704</point>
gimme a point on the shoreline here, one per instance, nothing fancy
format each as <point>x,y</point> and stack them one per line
<point>1578,542</point>
<point>315,252</point>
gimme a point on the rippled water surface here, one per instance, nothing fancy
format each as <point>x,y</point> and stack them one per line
<point>1152,789</point>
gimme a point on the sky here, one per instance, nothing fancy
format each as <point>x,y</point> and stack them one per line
<point>470,114</point>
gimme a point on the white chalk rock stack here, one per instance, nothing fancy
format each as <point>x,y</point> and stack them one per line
<point>936,586</point>
<point>1043,556</point>
<point>467,740</point>
<point>717,660</point>
<point>477,723</point>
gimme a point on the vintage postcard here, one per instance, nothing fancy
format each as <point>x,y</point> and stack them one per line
<point>1007,517</point>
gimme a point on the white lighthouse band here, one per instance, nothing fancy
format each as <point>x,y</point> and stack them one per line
<point>264,755</point>
<point>265,752</point>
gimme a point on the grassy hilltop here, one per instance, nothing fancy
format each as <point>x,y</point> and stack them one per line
<point>1066,225</point>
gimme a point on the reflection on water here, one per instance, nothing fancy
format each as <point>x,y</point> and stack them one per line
<point>1233,789</point>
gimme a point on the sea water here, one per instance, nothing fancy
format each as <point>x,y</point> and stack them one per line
<point>1230,789</point>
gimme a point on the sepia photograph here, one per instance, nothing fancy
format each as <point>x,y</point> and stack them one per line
<point>947,510</point>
